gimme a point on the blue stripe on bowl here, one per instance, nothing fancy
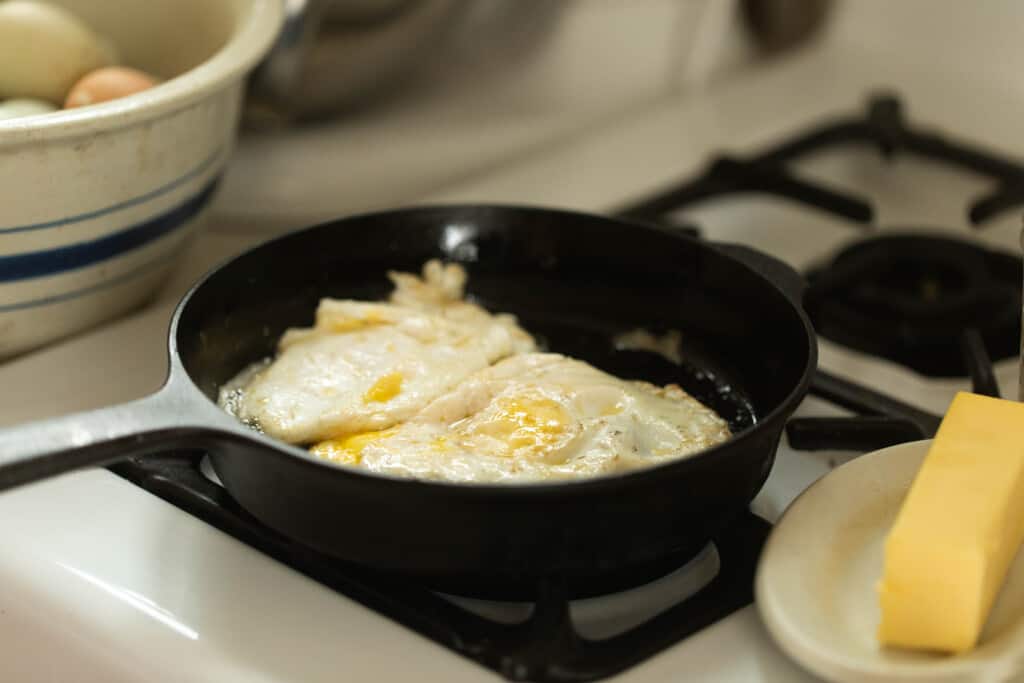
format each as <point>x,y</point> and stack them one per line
<point>73,256</point>
<point>203,166</point>
<point>133,274</point>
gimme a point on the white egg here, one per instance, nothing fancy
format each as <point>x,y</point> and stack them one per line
<point>367,366</point>
<point>44,49</point>
<point>21,107</point>
<point>534,417</point>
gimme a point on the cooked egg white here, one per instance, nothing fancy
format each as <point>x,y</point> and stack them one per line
<point>365,366</point>
<point>430,386</point>
<point>668,345</point>
<point>534,417</point>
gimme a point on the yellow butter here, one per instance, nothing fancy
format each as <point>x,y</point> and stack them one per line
<point>958,530</point>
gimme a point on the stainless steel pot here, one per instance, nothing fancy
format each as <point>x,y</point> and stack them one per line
<point>333,54</point>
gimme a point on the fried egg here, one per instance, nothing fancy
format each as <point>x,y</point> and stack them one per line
<point>536,416</point>
<point>366,366</point>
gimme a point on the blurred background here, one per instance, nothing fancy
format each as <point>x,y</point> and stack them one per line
<point>370,103</point>
<point>585,104</point>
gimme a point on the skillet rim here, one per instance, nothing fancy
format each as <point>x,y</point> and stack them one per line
<point>472,489</point>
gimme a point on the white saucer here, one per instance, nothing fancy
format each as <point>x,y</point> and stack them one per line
<point>815,585</point>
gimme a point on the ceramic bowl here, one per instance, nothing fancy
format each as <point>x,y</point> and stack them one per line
<point>97,203</point>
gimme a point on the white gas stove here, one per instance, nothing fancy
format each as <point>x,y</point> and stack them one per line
<point>103,581</point>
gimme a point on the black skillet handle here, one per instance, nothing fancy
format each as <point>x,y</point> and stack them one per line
<point>779,273</point>
<point>38,450</point>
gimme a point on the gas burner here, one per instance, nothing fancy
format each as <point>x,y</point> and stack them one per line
<point>909,297</point>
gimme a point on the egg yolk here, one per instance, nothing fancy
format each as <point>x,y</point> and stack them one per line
<point>384,389</point>
<point>534,425</point>
<point>341,325</point>
<point>348,450</point>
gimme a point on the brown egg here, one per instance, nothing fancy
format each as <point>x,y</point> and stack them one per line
<point>107,84</point>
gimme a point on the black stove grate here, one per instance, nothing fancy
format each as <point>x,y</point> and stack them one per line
<point>880,420</point>
<point>882,127</point>
<point>545,647</point>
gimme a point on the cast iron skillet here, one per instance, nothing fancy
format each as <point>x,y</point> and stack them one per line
<point>574,280</point>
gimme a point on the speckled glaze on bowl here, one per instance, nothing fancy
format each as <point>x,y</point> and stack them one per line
<point>96,203</point>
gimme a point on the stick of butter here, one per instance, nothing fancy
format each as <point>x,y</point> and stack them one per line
<point>958,530</point>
